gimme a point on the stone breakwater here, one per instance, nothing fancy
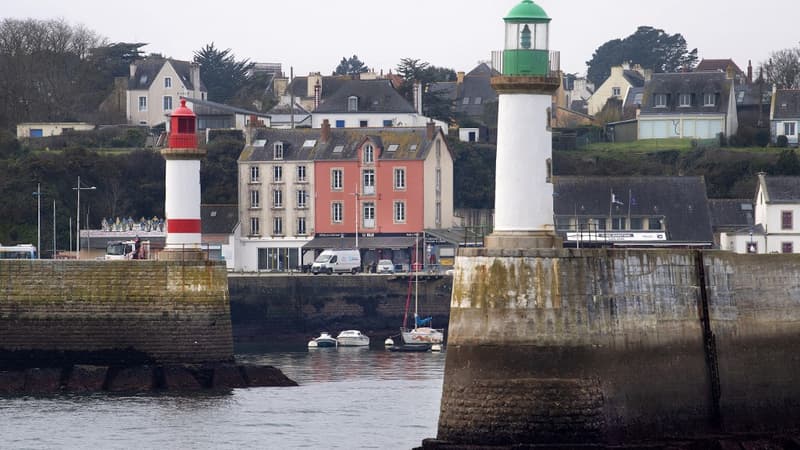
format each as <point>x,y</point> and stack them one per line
<point>132,326</point>
<point>172,377</point>
<point>610,348</point>
<point>113,313</point>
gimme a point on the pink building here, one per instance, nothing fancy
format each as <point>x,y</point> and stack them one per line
<point>377,189</point>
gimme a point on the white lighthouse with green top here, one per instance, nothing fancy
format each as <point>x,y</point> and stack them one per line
<point>523,186</point>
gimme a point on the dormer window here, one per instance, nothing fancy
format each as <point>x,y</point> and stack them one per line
<point>369,154</point>
<point>352,103</point>
<point>685,100</point>
<point>277,150</point>
<point>709,99</point>
<point>660,100</point>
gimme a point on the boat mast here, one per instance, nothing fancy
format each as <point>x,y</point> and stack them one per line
<point>416,278</point>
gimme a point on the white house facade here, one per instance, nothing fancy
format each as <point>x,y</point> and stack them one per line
<point>698,105</point>
<point>155,87</point>
<point>276,201</point>
<point>776,229</point>
<point>621,79</point>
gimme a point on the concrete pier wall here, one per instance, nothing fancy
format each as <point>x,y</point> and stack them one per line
<point>614,346</point>
<point>113,312</point>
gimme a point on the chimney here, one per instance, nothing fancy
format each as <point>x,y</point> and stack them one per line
<point>418,97</point>
<point>648,74</point>
<point>325,136</point>
<point>194,72</point>
<point>729,72</point>
<point>133,69</point>
<point>430,129</point>
<point>313,80</point>
<point>317,94</point>
<point>749,72</point>
<point>459,77</point>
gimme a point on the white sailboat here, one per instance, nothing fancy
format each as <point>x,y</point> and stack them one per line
<point>422,333</point>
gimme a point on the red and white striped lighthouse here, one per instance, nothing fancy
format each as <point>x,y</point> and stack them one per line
<point>182,205</point>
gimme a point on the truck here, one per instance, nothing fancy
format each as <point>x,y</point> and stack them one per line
<point>121,250</point>
<point>338,261</point>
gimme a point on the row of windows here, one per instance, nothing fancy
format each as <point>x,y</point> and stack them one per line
<point>786,247</point>
<point>684,100</point>
<point>368,180</point>
<point>277,226</point>
<point>368,213</point>
<point>588,224</point>
<point>277,174</point>
<point>388,123</point>
<point>301,198</point>
<point>166,103</point>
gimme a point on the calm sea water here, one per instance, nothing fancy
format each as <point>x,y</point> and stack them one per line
<point>348,398</point>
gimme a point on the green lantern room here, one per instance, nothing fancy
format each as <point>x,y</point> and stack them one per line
<point>526,51</point>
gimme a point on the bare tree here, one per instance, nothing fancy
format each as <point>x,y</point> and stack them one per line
<point>783,68</point>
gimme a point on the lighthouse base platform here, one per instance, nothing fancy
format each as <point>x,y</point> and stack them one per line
<point>511,240</point>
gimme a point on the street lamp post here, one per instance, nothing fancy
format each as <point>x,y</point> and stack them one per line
<point>38,195</point>
<point>78,217</point>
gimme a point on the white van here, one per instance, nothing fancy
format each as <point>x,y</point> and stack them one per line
<point>337,260</point>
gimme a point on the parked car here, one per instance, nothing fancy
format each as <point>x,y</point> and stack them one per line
<point>385,266</point>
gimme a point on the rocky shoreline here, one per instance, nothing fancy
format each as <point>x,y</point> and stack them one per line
<point>140,378</point>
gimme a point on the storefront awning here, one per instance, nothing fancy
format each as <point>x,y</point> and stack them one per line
<point>367,243</point>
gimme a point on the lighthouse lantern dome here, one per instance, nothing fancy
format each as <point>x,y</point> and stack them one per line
<point>182,128</point>
<point>526,51</point>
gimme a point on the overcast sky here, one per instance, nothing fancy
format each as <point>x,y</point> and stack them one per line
<point>314,35</point>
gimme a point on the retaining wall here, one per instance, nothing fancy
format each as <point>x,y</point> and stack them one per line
<point>613,346</point>
<point>286,307</point>
<point>109,312</point>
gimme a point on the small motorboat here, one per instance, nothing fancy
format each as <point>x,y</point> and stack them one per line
<point>352,338</point>
<point>324,340</point>
<point>422,347</point>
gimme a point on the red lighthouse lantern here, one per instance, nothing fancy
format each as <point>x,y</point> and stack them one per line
<point>182,126</point>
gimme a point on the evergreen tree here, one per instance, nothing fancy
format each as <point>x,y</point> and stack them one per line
<point>221,73</point>
<point>352,66</point>
<point>649,47</point>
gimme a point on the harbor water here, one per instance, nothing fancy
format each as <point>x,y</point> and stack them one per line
<point>348,398</point>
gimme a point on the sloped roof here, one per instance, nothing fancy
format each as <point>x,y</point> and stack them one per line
<point>374,96</point>
<point>482,70</point>
<point>681,200</point>
<point>299,86</point>
<point>717,65</point>
<point>694,83</point>
<point>731,213</point>
<point>306,144</point>
<point>635,78</point>
<point>218,219</point>
<point>286,109</point>
<point>787,104</point>
<point>780,189</point>
<point>147,70</point>
<point>753,94</point>
<point>205,107</point>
